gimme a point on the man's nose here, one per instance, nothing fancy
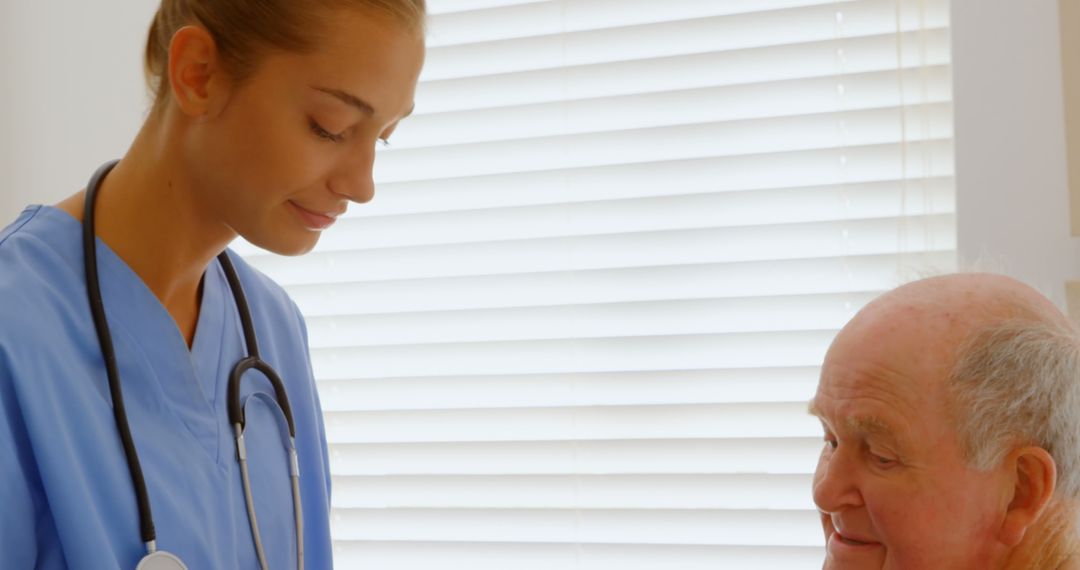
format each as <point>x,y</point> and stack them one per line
<point>836,483</point>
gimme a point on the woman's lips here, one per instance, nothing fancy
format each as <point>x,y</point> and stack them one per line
<point>313,220</point>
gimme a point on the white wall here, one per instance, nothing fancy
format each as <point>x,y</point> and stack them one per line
<point>72,93</point>
<point>1012,186</point>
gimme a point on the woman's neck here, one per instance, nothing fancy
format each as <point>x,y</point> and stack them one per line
<point>149,214</point>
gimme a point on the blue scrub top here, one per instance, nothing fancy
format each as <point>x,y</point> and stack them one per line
<point>66,497</point>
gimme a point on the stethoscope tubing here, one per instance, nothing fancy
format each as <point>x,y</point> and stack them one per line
<point>236,411</point>
<point>101,324</point>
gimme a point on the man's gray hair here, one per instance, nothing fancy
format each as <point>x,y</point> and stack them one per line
<point>1017,382</point>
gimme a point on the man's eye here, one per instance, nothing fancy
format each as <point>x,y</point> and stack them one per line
<point>882,461</point>
<point>831,442</point>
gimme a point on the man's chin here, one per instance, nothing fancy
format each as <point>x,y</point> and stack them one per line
<point>846,555</point>
<point>831,563</point>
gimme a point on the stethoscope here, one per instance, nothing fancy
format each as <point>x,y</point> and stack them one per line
<point>159,559</point>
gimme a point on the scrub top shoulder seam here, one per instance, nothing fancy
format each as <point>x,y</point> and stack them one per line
<point>15,229</point>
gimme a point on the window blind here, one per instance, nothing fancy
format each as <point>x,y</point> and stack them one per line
<point>579,324</point>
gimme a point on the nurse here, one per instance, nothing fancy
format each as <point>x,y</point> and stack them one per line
<point>266,117</point>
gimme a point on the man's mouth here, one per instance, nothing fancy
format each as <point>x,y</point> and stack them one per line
<point>852,541</point>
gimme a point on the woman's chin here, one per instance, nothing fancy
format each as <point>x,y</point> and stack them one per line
<point>288,245</point>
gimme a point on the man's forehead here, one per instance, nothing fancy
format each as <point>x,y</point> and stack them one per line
<point>869,379</point>
<point>885,363</point>
<point>870,399</point>
<point>895,334</point>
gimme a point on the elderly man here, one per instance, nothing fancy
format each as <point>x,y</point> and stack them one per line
<point>951,411</point>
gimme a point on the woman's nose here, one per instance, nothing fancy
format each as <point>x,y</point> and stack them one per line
<point>354,179</point>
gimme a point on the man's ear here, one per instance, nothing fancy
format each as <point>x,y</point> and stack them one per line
<point>1034,477</point>
<point>195,73</point>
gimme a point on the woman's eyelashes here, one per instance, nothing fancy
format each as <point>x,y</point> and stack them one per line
<point>323,133</point>
<point>384,138</point>
<point>326,135</point>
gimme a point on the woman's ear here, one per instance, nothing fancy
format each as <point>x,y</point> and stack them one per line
<point>1033,475</point>
<point>195,72</point>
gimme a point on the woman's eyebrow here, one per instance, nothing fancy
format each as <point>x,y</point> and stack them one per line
<point>348,98</point>
<point>354,101</point>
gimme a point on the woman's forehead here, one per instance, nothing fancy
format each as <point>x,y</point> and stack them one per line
<point>382,75</point>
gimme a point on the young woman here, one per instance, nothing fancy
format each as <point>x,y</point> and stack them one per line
<point>132,352</point>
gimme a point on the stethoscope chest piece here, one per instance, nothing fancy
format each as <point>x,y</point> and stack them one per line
<point>160,560</point>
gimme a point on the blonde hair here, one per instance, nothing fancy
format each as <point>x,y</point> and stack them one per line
<point>243,30</point>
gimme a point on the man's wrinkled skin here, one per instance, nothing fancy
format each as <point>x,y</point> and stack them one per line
<point>892,485</point>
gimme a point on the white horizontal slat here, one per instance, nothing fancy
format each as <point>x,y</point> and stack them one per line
<point>795,456</point>
<point>657,318</point>
<point>683,247</point>
<point>853,175</point>
<point>586,492</point>
<point>691,527</point>
<point>828,58</point>
<point>743,279</point>
<point>556,390</point>
<point>768,420</point>
<point>545,18</point>
<point>704,105</point>
<point>723,33</point>
<point>800,169</point>
<point>690,352</point>
<point>738,138</point>
<point>724,209</point>
<point>437,7</point>
<point>414,555</point>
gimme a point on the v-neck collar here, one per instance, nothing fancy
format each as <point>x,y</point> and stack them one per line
<point>206,348</point>
<point>187,379</point>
